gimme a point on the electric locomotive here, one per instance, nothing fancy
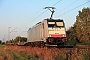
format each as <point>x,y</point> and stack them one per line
<point>48,32</point>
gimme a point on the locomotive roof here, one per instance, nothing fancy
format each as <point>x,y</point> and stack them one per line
<point>49,20</point>
<point>53,20</point>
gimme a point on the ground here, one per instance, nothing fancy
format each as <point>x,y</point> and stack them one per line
<point>8,52</point>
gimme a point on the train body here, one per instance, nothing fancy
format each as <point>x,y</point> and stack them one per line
<point>49,31</point>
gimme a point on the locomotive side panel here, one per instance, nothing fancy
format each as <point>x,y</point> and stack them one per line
<point>38,32</point>
<point>35,33</point>
<point>28,35</point>
<point>44,29</point>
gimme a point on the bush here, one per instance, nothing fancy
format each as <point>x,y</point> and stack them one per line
<point>73,42</point>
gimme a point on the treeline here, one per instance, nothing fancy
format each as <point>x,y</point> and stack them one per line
<point>79,33</point>
<point>17,39</point>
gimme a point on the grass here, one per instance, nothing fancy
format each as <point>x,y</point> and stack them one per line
<point>83,44</point>
<point>1,46</point>
<point>87,56</point>
<point>16,57</point>
<point>5,57</point>
<point>29,53</point>
<point>23,55</point>
<point>27,56</point>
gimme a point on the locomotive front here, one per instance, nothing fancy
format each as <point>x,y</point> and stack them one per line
<point>56,32</point>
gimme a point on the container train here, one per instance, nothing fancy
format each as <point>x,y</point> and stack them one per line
<point>49,32</point>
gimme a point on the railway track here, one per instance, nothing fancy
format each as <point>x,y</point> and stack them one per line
<point>58,46</point>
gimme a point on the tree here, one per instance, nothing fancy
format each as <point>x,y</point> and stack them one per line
<point>21,39</point>
<point>82,25</point>
<point>0,41</point>
<point>17,39</point>
<point>71,36</point>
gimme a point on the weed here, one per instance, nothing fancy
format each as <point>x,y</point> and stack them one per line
<point>87,56</point>
<point>16,57</point>
<point>25,56</point>
<point>5,57</point>
<point>1,46</point>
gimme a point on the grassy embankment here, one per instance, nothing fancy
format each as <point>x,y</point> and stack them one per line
<point>29,53</point>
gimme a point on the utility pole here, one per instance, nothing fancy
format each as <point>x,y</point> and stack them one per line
<point>26,32</point>
<point>4,38</point>
<point>51,9</point>
<point>9,33</point>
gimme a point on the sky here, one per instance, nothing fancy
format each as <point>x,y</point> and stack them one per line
<point>17,16</point>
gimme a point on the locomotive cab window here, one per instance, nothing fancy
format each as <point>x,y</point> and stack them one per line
<point>55,23</point>
<point>60,24</point>
<point>51,24</point>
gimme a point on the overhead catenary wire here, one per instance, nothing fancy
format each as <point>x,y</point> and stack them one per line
<point>73,8</point>
<point>36,12</point>
<point>34,18</point>
<point>67,6</point>
<point>56,3</point>
<point>24,24</point>
<point>13,30</point>
<point>39,15</point>
<point>30,18</point>
<point>43,12</point>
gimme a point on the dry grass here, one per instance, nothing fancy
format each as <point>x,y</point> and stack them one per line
<point>35,53</point>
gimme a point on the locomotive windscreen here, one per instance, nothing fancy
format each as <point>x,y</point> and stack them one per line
<point>55,23</point>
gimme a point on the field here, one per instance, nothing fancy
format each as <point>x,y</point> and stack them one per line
<point>35,53</point>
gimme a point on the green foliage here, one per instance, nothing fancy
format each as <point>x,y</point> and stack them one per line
<point>82,25</point>
<point>72,42</point>
<point>17,39</point>
<point>72,36</point>
<point>36,57</point>
<point>21,39</point>
<point>87,56</point>
<point>1,46</point>
<point>16,57</point>
<point>5,57</point>
<point>25,56</point>
<point>80,31</point>
<point>3,42</point>
<point>0,41</point>
<point>83,44</point>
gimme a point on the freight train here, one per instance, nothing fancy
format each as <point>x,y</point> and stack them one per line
<point>49,32</point>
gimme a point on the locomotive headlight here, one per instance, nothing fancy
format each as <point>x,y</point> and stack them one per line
<point>63,35</point>
<point>49,35</point>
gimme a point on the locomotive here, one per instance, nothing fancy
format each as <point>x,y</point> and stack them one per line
<point>49,32</point>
